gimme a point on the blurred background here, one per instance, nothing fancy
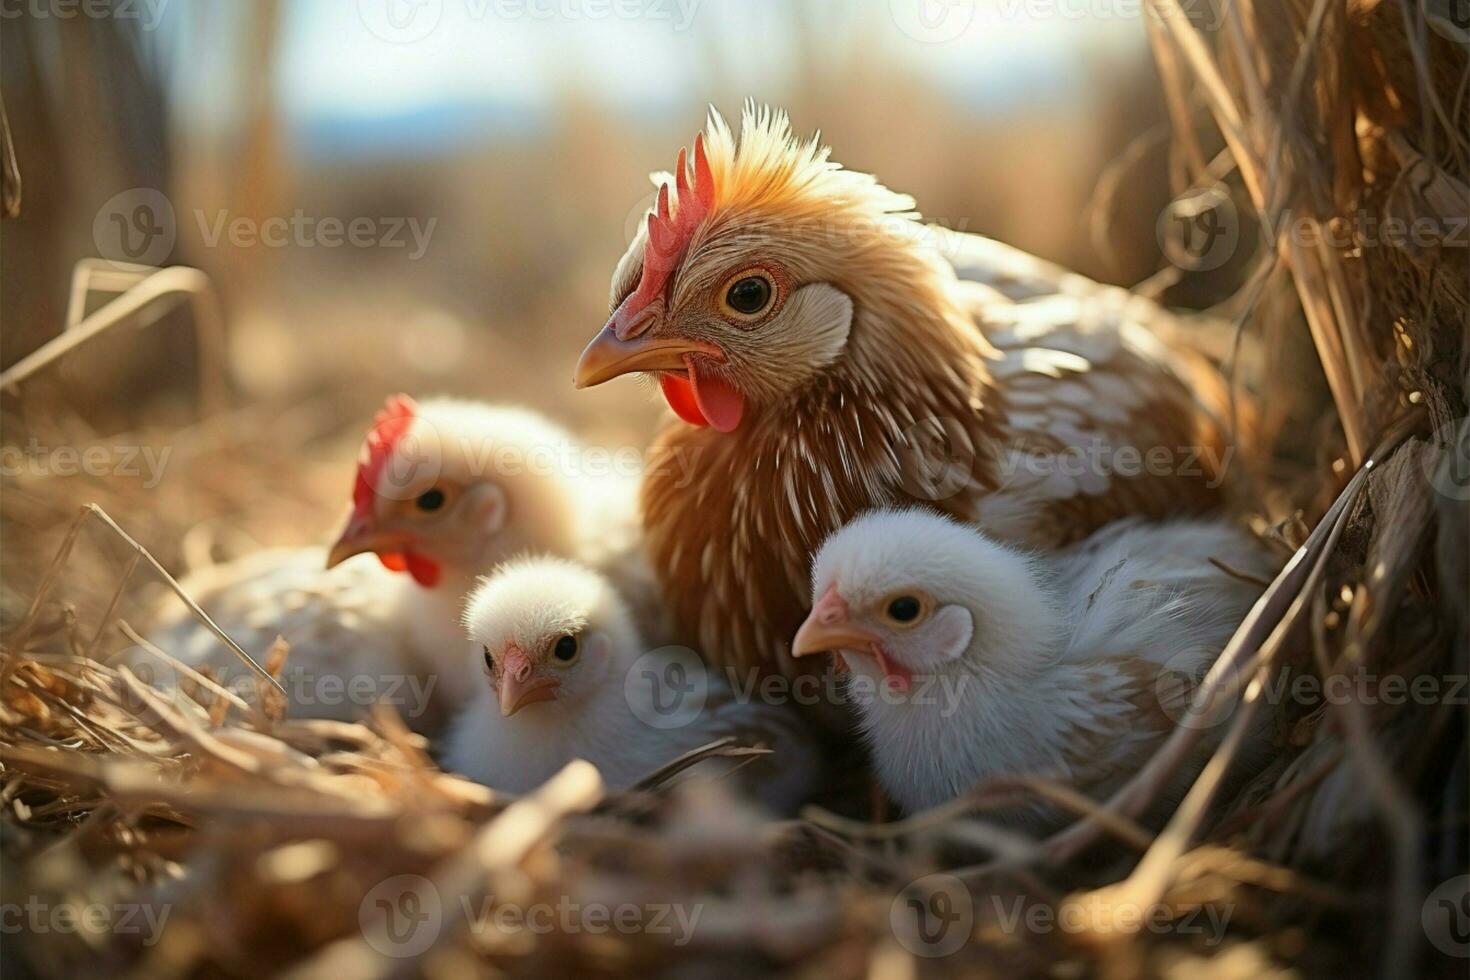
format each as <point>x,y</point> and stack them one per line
<point>430,196</point>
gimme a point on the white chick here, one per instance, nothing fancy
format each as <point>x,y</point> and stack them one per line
<point>971,659</point>
<point>444,490</point>
<point>566,675</point>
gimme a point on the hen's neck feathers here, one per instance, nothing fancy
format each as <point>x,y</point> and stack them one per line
<point>764,497</point>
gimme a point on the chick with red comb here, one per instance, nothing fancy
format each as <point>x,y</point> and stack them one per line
<point>444,490</point>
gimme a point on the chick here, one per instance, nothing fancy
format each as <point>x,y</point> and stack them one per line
<point>444,490</point>
<point>566,675</point>
<point>970,659</point>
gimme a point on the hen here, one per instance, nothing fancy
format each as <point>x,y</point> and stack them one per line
<point>969,659</point>
<point>826,353</point>
<point>443,491</point>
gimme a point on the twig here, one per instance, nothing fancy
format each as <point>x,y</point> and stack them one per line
<point>1257,639</point>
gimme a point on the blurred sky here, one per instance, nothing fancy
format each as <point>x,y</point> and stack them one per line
<point>520,134</point>
<point>404,75</point>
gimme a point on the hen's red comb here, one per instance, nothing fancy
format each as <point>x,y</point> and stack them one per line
<point>669,231</point>
<point>389,426</point>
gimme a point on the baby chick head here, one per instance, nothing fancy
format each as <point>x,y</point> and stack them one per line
<point>900,594</point>
<point>446,488</point>
<point>550,631</point>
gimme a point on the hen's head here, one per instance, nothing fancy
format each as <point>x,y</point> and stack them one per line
<point>447,488</point>
<point>903,593</point>
<point>748,277</point>
<point>550,630</point>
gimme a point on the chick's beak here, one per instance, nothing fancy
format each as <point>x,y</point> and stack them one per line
<point>610,356</point>
<point>828,628</point>
<point>361,535</point>
<point>520,685</point>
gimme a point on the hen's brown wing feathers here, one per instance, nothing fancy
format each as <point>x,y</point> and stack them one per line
<point>1100,421</point>
<point>1071,368</point>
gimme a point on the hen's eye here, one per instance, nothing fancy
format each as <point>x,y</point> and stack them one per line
<point>749,295</point>
<point>904,609</point>
<point>489,659</point>
<point>566,649</point>
<point>430,500</point>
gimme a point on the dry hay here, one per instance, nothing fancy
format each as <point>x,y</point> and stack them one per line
<point>277,844</point>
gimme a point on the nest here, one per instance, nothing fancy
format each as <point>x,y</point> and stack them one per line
<point>209,835</point>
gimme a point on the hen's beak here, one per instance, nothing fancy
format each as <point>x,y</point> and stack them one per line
<point>520,685</point>
<point>360,536</point>
<point>516,694</point>
<point>828,628</point>
<point>609,356</point>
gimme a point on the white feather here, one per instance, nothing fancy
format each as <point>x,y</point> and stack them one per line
<point>1051,680</point>
<point>604,710</point>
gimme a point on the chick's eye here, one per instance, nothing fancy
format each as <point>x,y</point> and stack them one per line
<point>749,295</point>
<point>430,500</point>
<point>489,659</point>
<point>566,649</point>
<point>904,609</point>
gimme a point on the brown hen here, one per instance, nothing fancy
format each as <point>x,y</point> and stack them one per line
<point>826,353</point>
